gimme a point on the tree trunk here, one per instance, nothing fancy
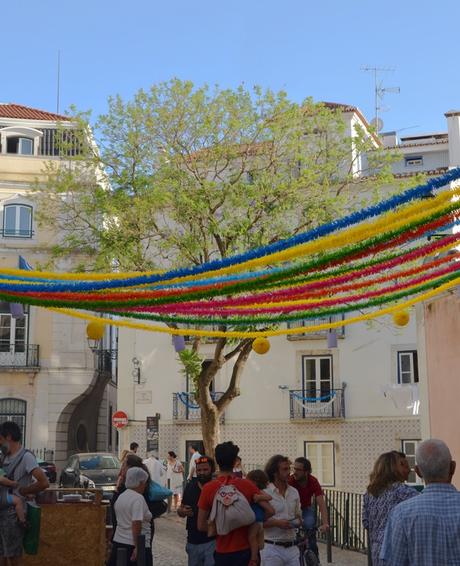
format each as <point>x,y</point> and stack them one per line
<point>210,429</point>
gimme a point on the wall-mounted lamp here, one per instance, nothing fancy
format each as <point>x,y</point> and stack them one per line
<point>136,373</point>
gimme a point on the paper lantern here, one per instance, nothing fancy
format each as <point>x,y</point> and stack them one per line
<point>178,343</point>
<point>95,330</point>
<point>401,318</point>
<point>17,310</point>
<point>261,345</point>
<point>332,338</point>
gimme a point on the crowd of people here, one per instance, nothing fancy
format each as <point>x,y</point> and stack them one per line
<point>239,519</point>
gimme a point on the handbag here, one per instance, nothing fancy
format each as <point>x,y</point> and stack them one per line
<point>156,492</point>
<point>32,533</point>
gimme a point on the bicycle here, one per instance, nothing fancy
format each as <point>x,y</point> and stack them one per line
<point>306,556</point>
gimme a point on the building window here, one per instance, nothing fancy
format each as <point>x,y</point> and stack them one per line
<point>409,448</point>
<point>17,221</point>
<point>23,146</point>
<point>13,331</point>
<point>407,367</point>
<point>317,379</point>
<point>413,161</point>
<point>14,410</point>
<point>322,457</point>
<point>315,322</point>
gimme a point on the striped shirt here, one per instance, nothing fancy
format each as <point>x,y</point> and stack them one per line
<point>424,530</point>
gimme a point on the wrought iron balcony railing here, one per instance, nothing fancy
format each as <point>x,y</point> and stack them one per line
<point>19,356</point>
<point>317,404</point>
<point>186,408</point>
<point>106,361</point>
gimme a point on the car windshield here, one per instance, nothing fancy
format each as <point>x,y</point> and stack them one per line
<point>99,462</point>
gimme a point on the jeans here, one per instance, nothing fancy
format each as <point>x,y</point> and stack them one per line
<point>309,521</point>
<point>201,554</point>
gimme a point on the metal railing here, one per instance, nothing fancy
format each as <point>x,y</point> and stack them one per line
<point>317,403</point>
<point>106,361</point>
<point>345,520</point>
<point>19,356</point>
<point>186,408</point>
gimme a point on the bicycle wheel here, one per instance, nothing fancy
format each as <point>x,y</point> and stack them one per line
<point>310,558</point>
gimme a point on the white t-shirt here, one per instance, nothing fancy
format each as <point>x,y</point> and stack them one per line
<point>129,507</point>
<point>192,468</point>
<point>156,470</point>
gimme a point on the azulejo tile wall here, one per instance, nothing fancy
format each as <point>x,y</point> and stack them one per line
<point>357,442</point>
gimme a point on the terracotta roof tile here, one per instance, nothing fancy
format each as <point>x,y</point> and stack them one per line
<point>26,113</point>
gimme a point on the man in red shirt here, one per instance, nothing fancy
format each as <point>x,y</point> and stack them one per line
<point>308,486</point>
<point>232,549</point>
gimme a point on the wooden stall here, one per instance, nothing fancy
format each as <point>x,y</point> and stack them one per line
<point>71,533</point>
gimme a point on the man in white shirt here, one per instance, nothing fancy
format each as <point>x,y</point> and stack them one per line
<point>279,531</point>
<point>195,454</point>
<point>133,519</point>
<point>156,469</point>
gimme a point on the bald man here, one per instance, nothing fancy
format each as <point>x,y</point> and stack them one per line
<point>425,530</point>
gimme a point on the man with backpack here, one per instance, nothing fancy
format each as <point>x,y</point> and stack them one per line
<point>226,501</point>
<point>20,466</point>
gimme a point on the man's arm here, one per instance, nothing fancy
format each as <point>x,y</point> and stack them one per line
<point>185,510</point>
<point>202,520</point>
<point>394,551</point>
<point>136,528</point>
<point>323,510</point>
<point>40,484</point>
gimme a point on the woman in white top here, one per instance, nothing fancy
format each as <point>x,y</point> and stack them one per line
<point>175,475</point>
<point>133,519</point>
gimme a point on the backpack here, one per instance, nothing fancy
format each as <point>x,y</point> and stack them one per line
<point>230,510</point>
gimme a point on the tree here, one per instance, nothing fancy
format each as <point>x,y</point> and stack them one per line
<point>183,175</point>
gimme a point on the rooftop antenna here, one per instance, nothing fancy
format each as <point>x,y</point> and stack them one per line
<point>379,93</point>
<point>58,85</point>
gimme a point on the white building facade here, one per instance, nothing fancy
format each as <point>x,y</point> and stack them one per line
<point>51,383</point>
<point>340,407</point>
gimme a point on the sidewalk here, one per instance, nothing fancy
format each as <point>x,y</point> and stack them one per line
<point>172,525</point>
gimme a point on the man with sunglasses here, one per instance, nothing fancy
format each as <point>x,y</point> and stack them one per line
<point>308,486</point>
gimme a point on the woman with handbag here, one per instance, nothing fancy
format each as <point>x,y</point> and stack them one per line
<point>175,475</point>
<point>133,519</point>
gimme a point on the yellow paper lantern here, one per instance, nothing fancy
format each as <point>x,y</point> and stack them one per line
<point>95,330</point>
<point>401,318</point>
<point>261,345</point>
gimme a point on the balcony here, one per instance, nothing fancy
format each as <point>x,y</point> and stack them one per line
<point>317,404</point>
<point>106,361</point>
<point>320,334</point>
<point>186,408</point>
<point>19,357</point>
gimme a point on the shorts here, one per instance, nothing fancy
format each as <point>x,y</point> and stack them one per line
<point>11,534</point>
<point>258,512</point>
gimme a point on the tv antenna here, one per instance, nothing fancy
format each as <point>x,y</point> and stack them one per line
<point>379,93</point>
<point>58,81</point>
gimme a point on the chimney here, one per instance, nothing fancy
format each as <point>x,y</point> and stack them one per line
<point>453,128</point>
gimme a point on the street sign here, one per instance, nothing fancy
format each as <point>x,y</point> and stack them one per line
<point>120,419</point>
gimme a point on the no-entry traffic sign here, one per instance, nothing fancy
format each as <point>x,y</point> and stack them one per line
<point>120,419</point>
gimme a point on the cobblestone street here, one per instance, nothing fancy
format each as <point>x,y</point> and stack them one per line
<point>169,546</point>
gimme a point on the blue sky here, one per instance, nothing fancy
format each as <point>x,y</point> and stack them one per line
<point>306,48</point>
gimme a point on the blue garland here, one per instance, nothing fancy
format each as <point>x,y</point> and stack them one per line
<point>323,230</point>
<point>331,395</point>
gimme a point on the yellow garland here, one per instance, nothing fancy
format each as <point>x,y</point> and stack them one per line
<point>256,334</point>
<point>393,220</point>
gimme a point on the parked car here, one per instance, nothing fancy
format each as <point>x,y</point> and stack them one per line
<point>49,468</point>
<point>81,470</point>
